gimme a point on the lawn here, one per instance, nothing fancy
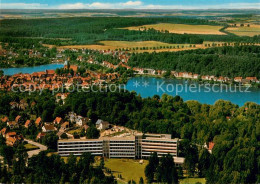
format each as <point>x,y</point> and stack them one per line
<point>30,147</point>
<point>128,168</point>
<point>192,180</point>
<point>245,31</point>
<point>181,28</point>
<point>78,130</point>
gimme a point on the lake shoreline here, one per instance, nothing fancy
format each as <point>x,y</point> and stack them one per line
<point>32,69</point>
<point>232,94</point>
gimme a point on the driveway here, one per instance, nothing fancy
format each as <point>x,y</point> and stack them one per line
<point>37,151</point>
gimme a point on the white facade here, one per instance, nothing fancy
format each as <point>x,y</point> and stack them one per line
<point>121,147</point>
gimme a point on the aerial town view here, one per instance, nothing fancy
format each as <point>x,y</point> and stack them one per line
<point>130,91</point>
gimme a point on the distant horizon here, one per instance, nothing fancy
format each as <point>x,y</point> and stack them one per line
<point>135,9</point>
<point>130,4</point>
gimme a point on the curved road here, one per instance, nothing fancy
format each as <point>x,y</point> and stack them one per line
<point>37,151</point>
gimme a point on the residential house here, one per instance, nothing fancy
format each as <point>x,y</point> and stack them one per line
<point>18,119</point>
<point>74,67</point>
<point>186,75</point>
<point>61,96</point>
<point>14,105</point>
<point>80,58</point>
<point>252,79</point>
<point>38,121</point>
<point>23,104</point>
<point>4,119</point>
<point>150,71</point>
<point>65,126</point>
<point>10,134</point>
<point>50,73</point>
<point>80,121</point>
<point>238,79</point>
<point>3,132</point>
<point>102,125</point>
<point>209,146</point>
<point>40,135</point>
<point>27,124</point>
<point>58,120</point>
<point>48,128</point>
<point>245,81</point>
<point>12,139</point>
<point>12,124</point>
<point>195,76</point>
<point>139,70</point>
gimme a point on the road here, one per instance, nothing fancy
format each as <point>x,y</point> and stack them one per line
<point>37,151</point>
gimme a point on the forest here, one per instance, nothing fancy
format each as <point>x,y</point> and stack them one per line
<point>234,130</point>
<point>243,61</point>
<point>90,30</point>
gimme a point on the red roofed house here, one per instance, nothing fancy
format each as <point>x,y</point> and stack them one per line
<point>14,105</point>
<point>12,139</point>
<point>50,73</point>
<point>252,79</point>
<point>27,124</point>
<point>4,119</point>
<point>12,124</point>
<point>238,79</point>
<point>210,147</point>
<point>58,120</point>
<point>74,68</point>
<point>38,121</point>
<point>18,119</point>
<point>3,132</point>
<point>40,135</point>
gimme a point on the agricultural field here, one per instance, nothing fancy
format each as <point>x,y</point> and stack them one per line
<point>245,31</point>
<point>181,28</point>
<point>104,45</point>
<point>149,46</point>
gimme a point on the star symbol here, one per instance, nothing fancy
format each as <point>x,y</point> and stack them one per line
<point>136,84</point>
<point>145,84</point>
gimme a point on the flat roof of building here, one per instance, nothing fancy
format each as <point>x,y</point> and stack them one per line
<point>125,138</point>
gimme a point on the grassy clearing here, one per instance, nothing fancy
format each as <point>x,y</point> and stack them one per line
<point>192,180</point>
<point>78,130</point>
<point>30,147</point>
<point>128,168</point>
<point>181,28</point>
<point>245,31</point>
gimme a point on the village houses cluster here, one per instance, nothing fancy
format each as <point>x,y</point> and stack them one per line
<point>50,80</point>
<point>58,125</point>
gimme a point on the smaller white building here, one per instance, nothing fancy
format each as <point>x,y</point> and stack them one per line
<point>102,125</point>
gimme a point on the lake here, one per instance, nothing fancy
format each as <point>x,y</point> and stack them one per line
<point>12,71</point>
<point>192,90</point>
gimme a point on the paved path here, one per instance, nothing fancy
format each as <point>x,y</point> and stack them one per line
<point>37,151</point>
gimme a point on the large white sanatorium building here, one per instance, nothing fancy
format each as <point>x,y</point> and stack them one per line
<point>134,146</point>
